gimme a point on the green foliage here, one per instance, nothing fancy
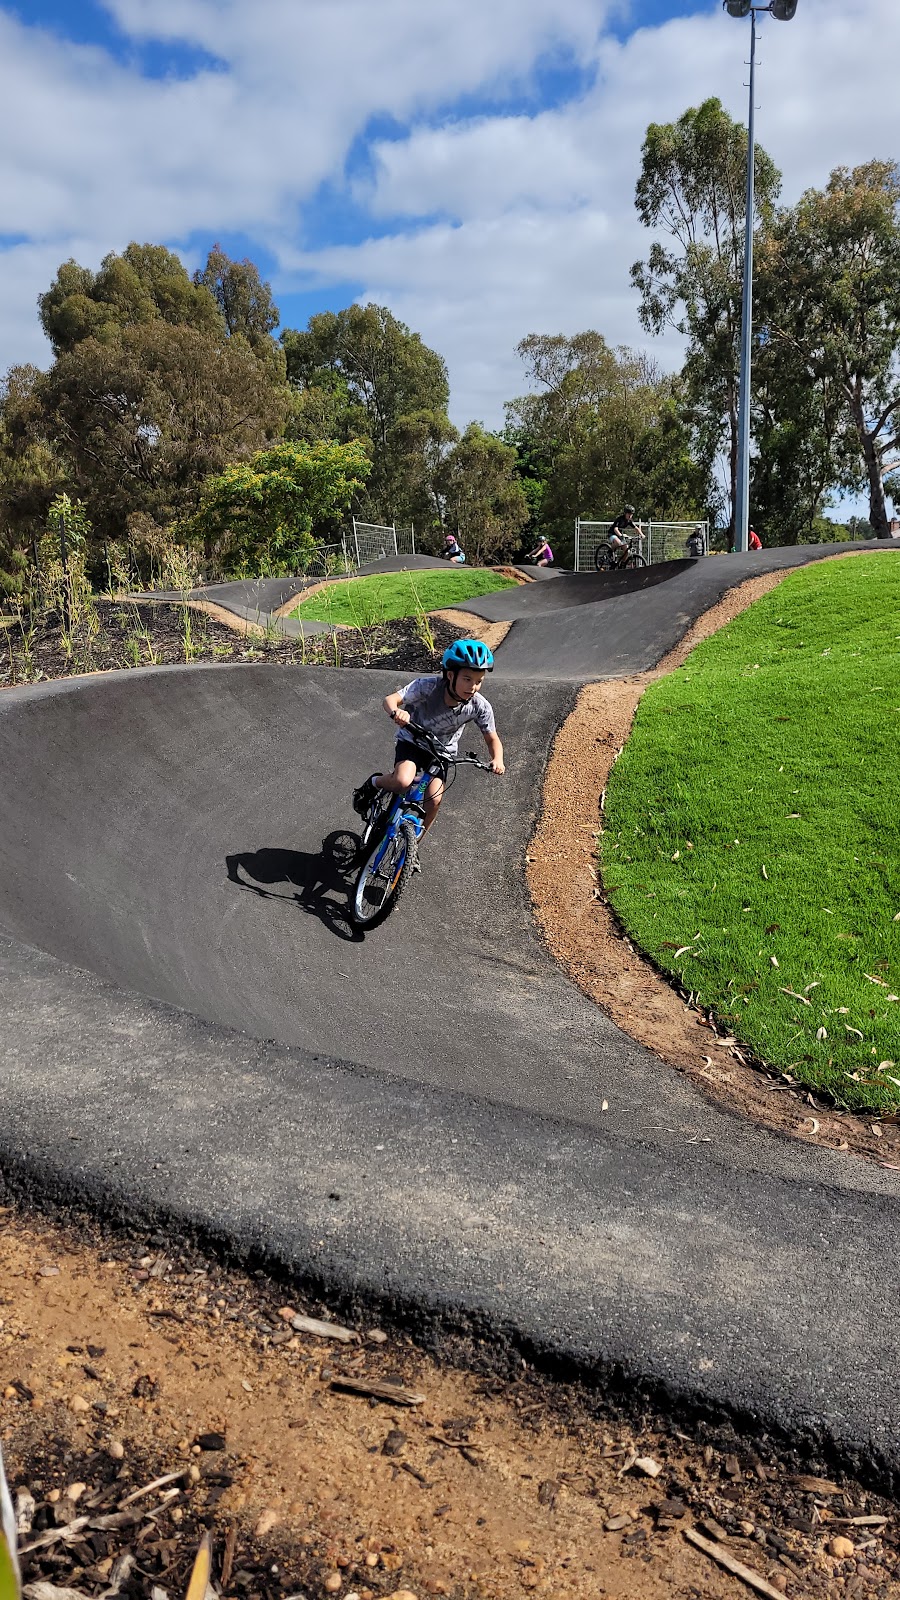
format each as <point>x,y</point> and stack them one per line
<point>482,499</point>
<point>829,299</point>
<point>144,417</point>
<point>693,187</point>
<point>144,283</point>
<point>361,373</point>
<point>257,516</point>
<point>31,472</point>
<point>245,302</point>
<point>601,427</point>
<point>749,827</point>
<point>384,597</point>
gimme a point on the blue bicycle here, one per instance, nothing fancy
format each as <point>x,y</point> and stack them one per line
<point>392,828</point>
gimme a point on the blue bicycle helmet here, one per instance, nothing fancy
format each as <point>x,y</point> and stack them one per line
<point>472,653</point>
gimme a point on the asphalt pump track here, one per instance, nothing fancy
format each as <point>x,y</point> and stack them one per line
<point>432,1118</point>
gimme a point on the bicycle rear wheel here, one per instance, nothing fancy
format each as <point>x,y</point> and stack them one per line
<point>384,876</point>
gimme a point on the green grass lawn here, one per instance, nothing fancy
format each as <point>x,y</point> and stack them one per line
<point>752,841</point>
<point>386,596</point>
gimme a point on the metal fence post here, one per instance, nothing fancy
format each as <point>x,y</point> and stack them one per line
<point>577,543</point>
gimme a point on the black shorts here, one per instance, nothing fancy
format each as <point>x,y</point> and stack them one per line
<point>425,760</point>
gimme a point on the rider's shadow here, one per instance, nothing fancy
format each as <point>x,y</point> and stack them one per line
<point>320,882</point>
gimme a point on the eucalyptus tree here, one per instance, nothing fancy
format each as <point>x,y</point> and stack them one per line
<point>692,188</point>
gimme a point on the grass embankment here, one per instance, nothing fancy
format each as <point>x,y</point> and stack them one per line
<point>387,596</point>
<point>752,823</point>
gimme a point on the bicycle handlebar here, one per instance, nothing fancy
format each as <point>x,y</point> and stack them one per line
<point>469,759</point>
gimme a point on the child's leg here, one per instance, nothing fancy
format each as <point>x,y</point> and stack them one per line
<point>397,781</point>
<point>434,794</point>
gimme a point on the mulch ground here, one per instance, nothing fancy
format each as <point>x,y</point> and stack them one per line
<point>148,1395</point>
<point>116,635</point>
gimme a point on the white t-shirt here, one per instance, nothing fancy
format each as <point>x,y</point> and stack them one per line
<point>424,700</point>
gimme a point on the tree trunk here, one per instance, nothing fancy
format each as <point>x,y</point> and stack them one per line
<point>877,508</point>
<point>733,467</point>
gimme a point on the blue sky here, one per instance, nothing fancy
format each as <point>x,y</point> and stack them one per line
<point>472,166</point>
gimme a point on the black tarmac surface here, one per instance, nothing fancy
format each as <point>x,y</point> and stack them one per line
<point>193,1030</point>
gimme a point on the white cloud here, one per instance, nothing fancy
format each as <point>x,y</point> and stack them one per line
<point>540,227</point>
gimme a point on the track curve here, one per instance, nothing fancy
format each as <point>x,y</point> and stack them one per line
<point>192,1030</point>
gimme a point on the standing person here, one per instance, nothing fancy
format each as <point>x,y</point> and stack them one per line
<point>754,542</point>
<point>441,703</point>
<point>453,550</point>
<point>617,538</point>
<point>696,545</point>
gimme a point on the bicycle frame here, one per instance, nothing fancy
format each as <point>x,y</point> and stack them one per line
<point>410,806</point>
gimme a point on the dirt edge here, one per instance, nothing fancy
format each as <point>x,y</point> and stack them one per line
<point>583,934</point>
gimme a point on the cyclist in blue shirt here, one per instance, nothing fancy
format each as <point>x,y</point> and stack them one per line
<point>442,703</point>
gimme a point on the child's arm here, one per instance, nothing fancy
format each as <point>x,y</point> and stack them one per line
<point>394,709</point>
<point>495,750</point>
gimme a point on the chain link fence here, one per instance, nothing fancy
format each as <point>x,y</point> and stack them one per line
<point>375,541</point>
<point>663,541</point>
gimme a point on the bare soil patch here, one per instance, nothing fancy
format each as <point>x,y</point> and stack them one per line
<point>584,935</point>
<point>127,1360</point>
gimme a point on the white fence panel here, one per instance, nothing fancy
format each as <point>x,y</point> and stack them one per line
<point>373,541</point>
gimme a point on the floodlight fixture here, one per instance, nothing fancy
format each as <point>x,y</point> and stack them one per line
<point>738,8</point>
<point>783,10</point>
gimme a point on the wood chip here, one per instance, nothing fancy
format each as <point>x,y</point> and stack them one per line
<point>148,1488</point>
<point>725,1559</point>
<point>393,1392</point>
<point>821,1486</point>
<point>228,1557</point>
<point>323,1330</point>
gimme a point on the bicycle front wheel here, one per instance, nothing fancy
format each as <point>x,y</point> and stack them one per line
<point>384,876</point>
<point>635,561</point>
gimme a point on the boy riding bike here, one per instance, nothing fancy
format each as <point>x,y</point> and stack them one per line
<point>442,704</point>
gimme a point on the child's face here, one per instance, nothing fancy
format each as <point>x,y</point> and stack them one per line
<point>468,682</point>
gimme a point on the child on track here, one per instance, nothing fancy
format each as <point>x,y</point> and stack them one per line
<point>442,703</point>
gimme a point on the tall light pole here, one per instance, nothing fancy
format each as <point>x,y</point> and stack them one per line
<point>783,10</point>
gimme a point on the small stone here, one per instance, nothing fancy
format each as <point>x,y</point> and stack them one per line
<point>266,1523</point>
<point>54,1496</point>
<point>372,1558</point>
<point>713,1529</point>
<point>211,1441</point>
<point>647,1465</point>
<point>75,1491</point>
<point>194,1472</point>
<point>613,1524</point>
<point>748,1529</point>
<point>402,1594</point>
<point>78,1404</point>
<point>287,1313</point>
<point>732,1466</point>
<point>10,1392</point>
<point>375,1336</point>
<point>115,1450</point>
<point>333,1583</point>
<point>394,1444</point>
<point>841,1547</point>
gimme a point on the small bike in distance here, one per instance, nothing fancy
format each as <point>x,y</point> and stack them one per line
<point>606,559</point>
<point>392,828</point>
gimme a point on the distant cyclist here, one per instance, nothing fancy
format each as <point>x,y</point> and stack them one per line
<point>542,556</point>
<point>453,550</point>
<point>442,703</point>
<point>617,538</point>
